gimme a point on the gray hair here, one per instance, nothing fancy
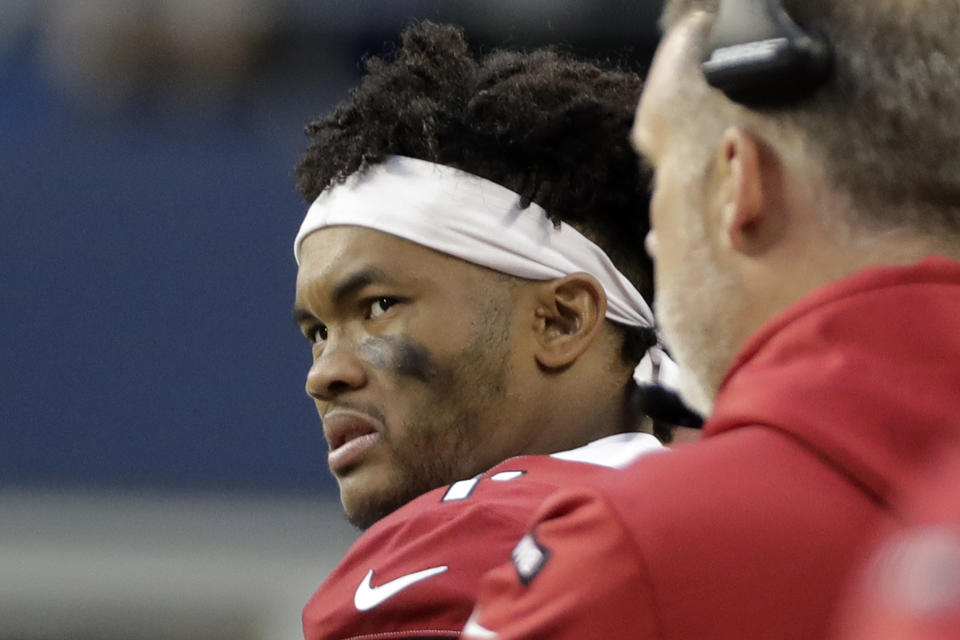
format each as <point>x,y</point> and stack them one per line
<point>884,131</point>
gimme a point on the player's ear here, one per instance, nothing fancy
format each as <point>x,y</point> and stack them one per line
<point>569,315</point>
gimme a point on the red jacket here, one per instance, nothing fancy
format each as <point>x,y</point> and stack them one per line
<point>911,587</point>
<point>415,573</point>
<point>751,533</point>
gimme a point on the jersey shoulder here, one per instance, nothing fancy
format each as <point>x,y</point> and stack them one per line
<point>517,486</point>
<point>415,573</point>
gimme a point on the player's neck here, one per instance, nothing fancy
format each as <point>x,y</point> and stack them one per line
<point>590,417</point>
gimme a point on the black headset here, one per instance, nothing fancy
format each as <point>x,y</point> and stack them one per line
<point>758,56</point>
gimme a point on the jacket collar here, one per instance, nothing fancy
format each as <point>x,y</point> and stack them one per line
<point>865,372</point>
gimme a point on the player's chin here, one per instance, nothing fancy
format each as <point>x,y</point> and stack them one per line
<point>368,494</point>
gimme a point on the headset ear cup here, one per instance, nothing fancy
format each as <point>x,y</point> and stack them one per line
<point>757,55</point>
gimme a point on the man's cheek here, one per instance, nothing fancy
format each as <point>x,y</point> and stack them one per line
<point>402,356</point>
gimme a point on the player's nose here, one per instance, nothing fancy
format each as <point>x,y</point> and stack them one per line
<point>336,371</point>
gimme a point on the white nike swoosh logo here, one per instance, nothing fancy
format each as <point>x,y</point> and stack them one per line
<point>474,629</point>
<point>368,597</point>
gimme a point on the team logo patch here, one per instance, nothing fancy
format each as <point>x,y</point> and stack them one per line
<point>529,558</point>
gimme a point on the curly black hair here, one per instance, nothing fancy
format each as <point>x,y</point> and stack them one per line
<point>546,126</point>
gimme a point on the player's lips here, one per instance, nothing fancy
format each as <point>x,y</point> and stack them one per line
<point>350,434</point>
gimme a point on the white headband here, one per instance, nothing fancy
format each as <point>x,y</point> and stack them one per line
<point>473,219</point>
<point>480,222</point>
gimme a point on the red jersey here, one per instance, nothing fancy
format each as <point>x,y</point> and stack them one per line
<point>828,413</point>
<point>415,573</point>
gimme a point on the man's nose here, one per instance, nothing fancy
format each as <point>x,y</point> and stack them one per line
<point>336,371</point>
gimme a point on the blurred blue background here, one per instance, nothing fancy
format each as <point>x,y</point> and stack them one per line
<point>162,473</point>
<point>146,194</point>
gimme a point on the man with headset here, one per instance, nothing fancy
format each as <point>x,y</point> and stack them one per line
<point>805,227</point>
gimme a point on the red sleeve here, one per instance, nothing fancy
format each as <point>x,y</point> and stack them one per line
<point>415,573</point>
<point>577,574</point>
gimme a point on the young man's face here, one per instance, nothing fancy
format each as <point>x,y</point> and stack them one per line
<point>411,365</point>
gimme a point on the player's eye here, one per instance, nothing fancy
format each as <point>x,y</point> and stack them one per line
<point>381,305</point>
<point>318,334</point>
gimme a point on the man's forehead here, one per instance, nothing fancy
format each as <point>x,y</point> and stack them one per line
<point>339,244</point>
<point>680,37</point>
<point>647,126</point>
<point>333,254</point>
<point>663,82</point>
<point>338,263</point>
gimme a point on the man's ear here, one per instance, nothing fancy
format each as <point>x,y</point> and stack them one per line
<point>748,181</point>
<point>569,315</point>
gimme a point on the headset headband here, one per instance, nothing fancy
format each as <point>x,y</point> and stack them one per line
<point>758,56</point>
